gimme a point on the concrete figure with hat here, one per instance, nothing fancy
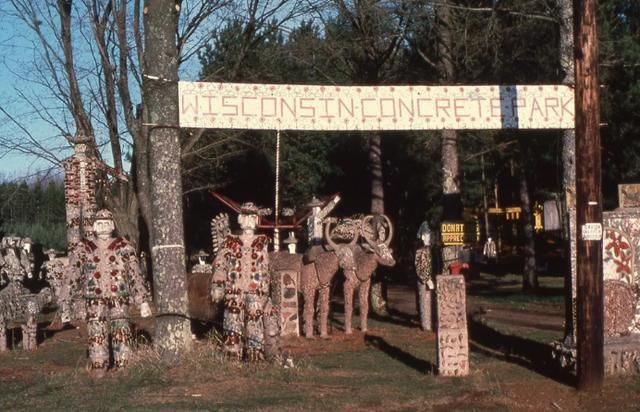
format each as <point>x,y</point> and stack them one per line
<point>54,270</point>
<point>111,281</point>
<point>241,278</point>
<point>26,256</point>
<point>424,273</point>
<point>202,266</point>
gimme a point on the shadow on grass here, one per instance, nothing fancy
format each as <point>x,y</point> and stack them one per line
<point>528,353</point>
<point>420,365</point>
<point>395,317</point>
<point>489,290</point>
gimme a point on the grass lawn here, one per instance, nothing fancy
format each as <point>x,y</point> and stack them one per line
<point>391,368</point>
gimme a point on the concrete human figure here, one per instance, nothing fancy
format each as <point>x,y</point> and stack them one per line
<point>241,278</point>
<point>26,256</point>
<point>80,183</point>
<point>314,221</point>
<point>202,266</point>
<point>54,271</point>
<point>490,250</point>
<point>111,280</point>
<point>14,268</point>
<point>291,243</point>
<point>424,273</point>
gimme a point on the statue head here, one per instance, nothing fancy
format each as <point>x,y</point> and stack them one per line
<point>81,146</point>
<point>248,217</point>
<point>315,205</point>
<point>103,224</point>
<point>51,253</point>
<point>291,242</point>
<point>27,244</point>
<point>424,233</point>
<point>12,241</point>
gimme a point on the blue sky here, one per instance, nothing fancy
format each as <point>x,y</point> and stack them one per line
<point>20,93</point>
<point>16,56</point>
<point>19,50</point>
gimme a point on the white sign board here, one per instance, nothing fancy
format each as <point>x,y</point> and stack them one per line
<point>300,107</point>
<point>592,231</point>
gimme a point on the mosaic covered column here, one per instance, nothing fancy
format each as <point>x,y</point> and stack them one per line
<point>452,334</point>
<point>80,176</point>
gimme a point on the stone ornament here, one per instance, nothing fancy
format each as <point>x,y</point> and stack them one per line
<point>17,304</point>
<point>241,278</point>
<point>202,266</point>
<point>359,261</point>
<point>54,271</point>
<point>424,269</point>
<point>111,281</point>
<point>452,334</point>
<point>80,183</point>
<point>620,248</point>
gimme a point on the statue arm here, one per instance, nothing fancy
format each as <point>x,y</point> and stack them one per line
<point>219,276</point>
<point>112,171</point>
<point>138,286</point>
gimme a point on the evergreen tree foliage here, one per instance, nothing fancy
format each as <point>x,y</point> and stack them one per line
<point>35,210</point>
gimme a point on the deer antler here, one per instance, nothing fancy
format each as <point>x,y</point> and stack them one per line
<point>371,240</point>
<point>387,241</point>
<point>327,234</point>
<point>327,223</point>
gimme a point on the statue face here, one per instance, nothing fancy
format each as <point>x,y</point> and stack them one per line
<point>81,149</point>
<point>247,222</point>
<point>103,228</point>
<point>426,238</point>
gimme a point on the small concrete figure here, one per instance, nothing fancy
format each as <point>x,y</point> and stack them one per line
<point>291,243</point>
<point>54,271</point>
<point>202,266</point>
<point>424,273</point>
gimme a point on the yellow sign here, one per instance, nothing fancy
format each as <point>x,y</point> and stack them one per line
<point>511,213</point>
<point>458,233</point>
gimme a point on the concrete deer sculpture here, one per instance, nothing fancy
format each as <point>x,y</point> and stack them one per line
<point>315,277</point>
<point>359,261</point>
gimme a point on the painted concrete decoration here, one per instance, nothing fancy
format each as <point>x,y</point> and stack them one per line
<point>315,107</point>
<point>452,334</point>
<point>241,279</point>
<point>620,247</point>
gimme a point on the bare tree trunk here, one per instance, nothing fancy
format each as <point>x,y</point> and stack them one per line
<point>377,177</point>
<point>173,334</point>
<point>529,278</point>
<point>569,173</point>
<point>378,295</point>
<point>452,202</point>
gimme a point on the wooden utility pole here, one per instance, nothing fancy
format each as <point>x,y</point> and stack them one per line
<point>590,319</point>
